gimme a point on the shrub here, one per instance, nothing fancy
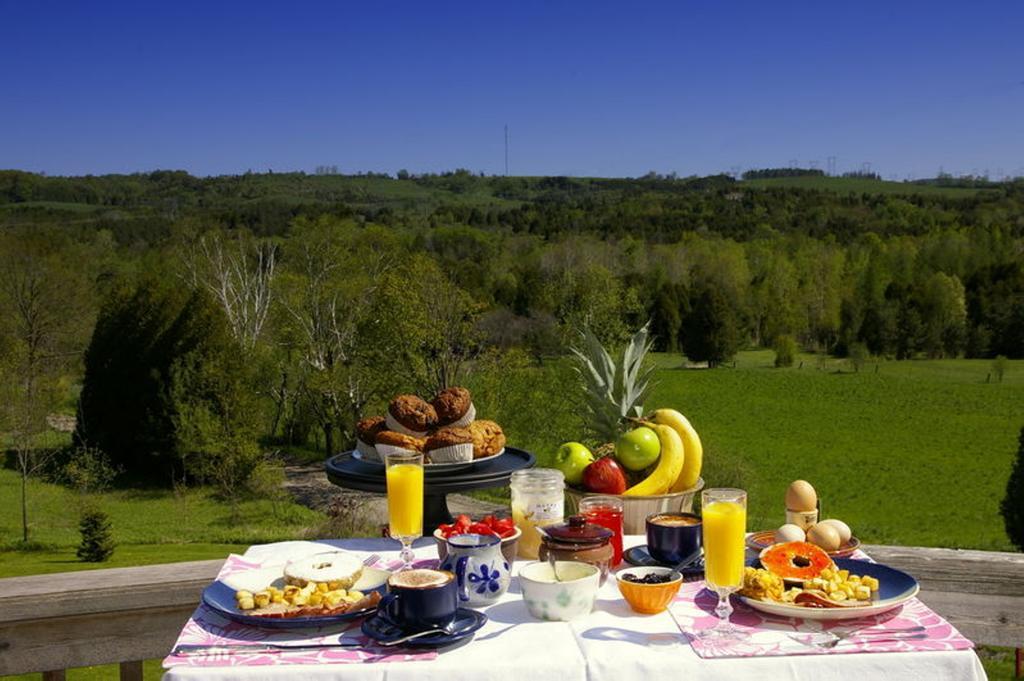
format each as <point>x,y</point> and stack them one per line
<point>999,367</point>
<point>347,516</point>
<point>151,345</point>
<point>1012,507</point>
<point>785,351</point>
<point>87,470</point>
<point>859,355</point>
<point>97,542</point>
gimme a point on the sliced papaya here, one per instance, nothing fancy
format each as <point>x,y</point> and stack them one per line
<point>795,560</point>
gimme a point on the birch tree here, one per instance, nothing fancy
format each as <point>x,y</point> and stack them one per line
<point>333,275</point>
<point>44,304</point>
<point>238,272</point>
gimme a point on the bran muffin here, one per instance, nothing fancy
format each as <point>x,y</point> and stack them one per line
<point>454,407</point>
<point>390,442</point>
<point>488,438</point>
<point>366,435</point>
<point>410,415</point>
<point>450,445</point>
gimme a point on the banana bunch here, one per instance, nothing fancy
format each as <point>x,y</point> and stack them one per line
<point>681,457</point>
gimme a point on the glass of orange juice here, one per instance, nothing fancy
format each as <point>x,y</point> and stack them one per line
<point>724,520</point>
<point>404,475</point>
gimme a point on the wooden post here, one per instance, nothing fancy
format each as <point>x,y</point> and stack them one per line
<point>1018,667</point>
<point>131,671</point>
<point>54,676</point>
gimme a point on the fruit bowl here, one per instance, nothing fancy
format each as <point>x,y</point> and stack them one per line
<point>635,509</point>
<point>509,546</point>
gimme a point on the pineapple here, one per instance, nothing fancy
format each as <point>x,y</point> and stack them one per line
<point>612,393</point>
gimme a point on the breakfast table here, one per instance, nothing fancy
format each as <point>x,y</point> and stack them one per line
<point>611,643</point>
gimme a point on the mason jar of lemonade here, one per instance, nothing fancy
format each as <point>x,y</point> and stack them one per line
<point>538,498</point>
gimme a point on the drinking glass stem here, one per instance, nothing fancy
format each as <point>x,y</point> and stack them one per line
<point>407,554</point>
<point>723,609</point>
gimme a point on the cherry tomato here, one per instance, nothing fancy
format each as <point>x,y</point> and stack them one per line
<point>505,527</point>
<point>480,528</point>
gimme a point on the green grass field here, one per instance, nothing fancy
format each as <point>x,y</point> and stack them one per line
<point>150,526</point>
<point>860,186</point>
<point>916,454</point>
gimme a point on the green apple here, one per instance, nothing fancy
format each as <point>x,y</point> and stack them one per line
<point>571,458</point>
<point>638,448</point>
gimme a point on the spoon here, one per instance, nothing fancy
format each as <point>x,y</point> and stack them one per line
<point>448,629</point>
<point>551,556</point>
<point>689,560</point>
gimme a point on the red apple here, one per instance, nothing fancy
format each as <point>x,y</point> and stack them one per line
<point>605,476</point>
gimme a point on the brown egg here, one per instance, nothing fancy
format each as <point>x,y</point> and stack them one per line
<point>842,528</point>
<point>824,535</point>
<point>801,496</point>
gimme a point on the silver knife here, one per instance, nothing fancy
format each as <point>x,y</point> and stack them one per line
<point>186,649</point>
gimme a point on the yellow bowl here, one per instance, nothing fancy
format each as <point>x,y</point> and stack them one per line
<point>648,599</point>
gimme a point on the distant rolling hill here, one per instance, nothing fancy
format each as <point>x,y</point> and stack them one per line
<point>860,185</point>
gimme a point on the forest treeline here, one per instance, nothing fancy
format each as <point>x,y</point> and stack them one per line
<point>202,316</point>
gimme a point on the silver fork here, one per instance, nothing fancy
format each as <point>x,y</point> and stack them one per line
<point>830,639</point>
<point>188,649</point>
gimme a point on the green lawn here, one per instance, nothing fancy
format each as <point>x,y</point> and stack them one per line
<point>915,453</point>
<point>150,526</point>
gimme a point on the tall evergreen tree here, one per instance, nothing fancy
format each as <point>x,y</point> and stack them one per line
<point>127,407</point>
<point>711,329</point>
<point>1012,507</point>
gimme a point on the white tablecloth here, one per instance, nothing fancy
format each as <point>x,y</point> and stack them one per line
<point>611,644</point>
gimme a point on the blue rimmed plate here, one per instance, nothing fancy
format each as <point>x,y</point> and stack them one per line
<point>895,588</point>
<point>220,596</point>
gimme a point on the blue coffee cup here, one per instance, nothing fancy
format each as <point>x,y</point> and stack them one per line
<point>673,538</point>
<point>420,599</point>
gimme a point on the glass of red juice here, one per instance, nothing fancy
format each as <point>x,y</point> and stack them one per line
<point>606,512</point>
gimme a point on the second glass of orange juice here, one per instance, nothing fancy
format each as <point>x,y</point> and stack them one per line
<point>724,519</point>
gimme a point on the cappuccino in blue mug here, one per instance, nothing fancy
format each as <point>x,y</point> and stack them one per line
<point>673,538</point>
<point>420,599</point>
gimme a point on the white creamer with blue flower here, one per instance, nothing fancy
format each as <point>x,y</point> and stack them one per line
<point>482,572</point>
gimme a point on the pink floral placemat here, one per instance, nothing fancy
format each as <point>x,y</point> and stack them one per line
<point>209,628</point>
<point>770,635</point>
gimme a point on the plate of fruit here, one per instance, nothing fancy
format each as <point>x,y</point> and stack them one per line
<point>653,467</point>
<point>653,463</point>
<point>799,579</point>
<point>660,454</point>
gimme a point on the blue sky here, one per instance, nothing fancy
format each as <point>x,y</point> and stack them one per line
<point>587,88</point>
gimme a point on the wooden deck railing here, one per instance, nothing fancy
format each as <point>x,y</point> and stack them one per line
<point>49,623</point>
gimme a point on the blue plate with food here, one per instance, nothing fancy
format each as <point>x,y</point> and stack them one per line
<point>848,589</point>
<point>314,591</point>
